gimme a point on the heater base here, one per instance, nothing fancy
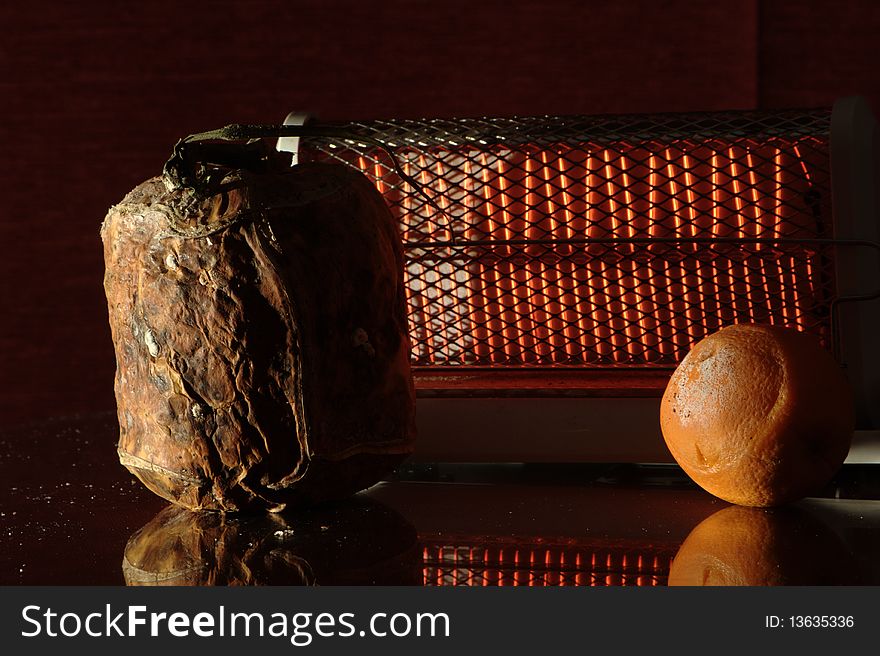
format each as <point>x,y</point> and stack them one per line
<point>558,430</point>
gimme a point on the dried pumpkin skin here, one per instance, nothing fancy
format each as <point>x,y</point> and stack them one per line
<point>261,339</point>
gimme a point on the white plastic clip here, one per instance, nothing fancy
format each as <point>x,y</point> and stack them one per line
<point>291,144</point>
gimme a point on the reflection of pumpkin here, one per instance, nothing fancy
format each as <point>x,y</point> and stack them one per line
<point>261,339</point>
<point>752,546</point>
<point>353,542</point>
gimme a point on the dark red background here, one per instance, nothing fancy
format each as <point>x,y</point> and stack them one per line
<point>95,94</point>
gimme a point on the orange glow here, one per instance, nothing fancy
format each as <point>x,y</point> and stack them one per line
<point>537,565</point>
<point>779,197</point>
<point>565,255</point>
<point>690,197</point>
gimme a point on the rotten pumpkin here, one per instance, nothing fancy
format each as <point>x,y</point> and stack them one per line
<point>257,314</point>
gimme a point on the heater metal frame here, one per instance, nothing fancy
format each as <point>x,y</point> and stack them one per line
<point>855,176</point>
<point>608,425</point>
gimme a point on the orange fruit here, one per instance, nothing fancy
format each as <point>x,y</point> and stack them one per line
<point>756,546</point>
<point>758,415</point>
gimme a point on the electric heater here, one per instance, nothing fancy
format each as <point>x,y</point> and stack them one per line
<point>568,263</point>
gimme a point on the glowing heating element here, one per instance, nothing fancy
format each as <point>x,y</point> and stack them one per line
<point>580,244</point>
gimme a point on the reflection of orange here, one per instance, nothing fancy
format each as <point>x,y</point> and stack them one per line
<point>753,546</point>
<point>758,415</point>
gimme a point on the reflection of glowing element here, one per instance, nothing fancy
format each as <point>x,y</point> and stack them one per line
<point>753,546</point>
<point>352,543</point>
<point>506,563</point>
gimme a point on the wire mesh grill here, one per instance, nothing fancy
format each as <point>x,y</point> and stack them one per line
<point>593,242</point>
<point>539,565</point>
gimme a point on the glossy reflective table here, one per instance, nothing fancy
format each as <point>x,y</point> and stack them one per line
<point>70,514</point>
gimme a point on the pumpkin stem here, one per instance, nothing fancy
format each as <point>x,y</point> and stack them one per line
<point>194,161</point>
